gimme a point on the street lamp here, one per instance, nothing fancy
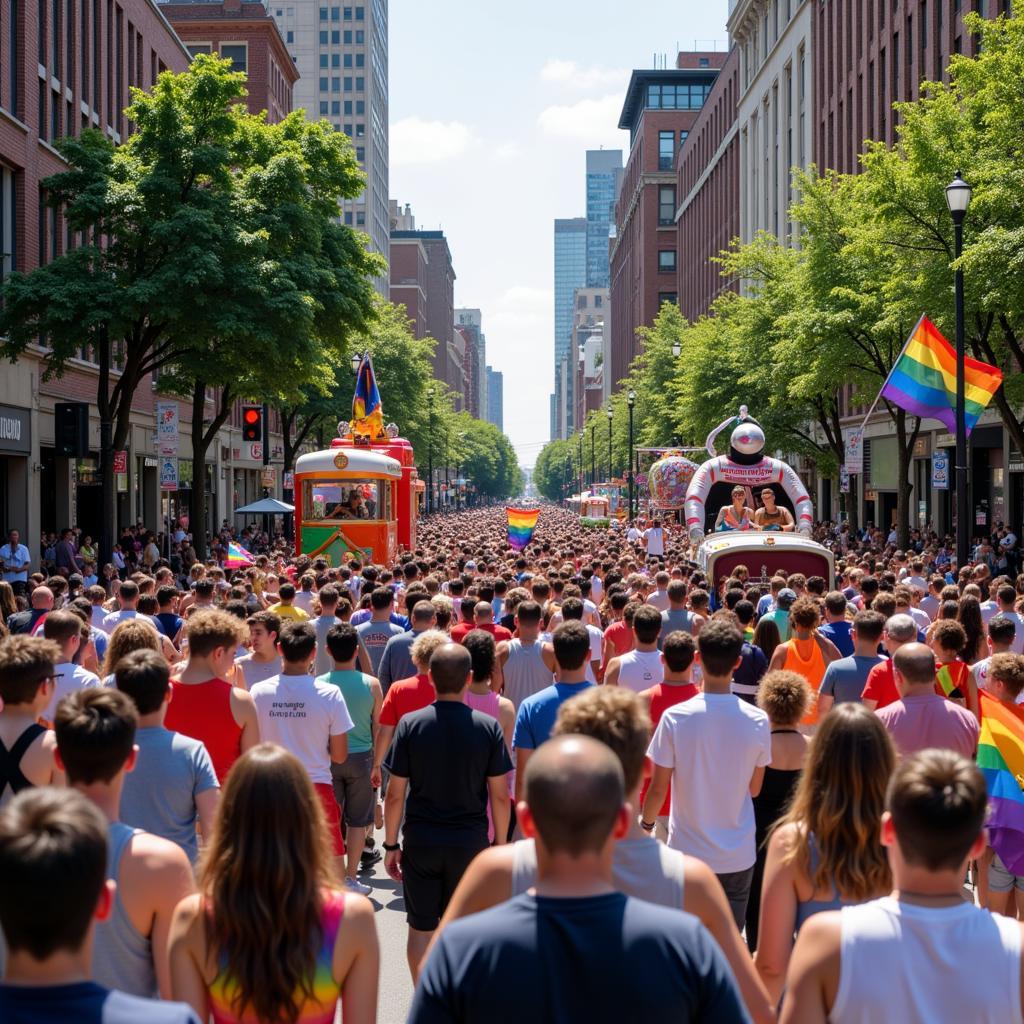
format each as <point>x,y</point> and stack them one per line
<point>355,362</point>
<point>630,402</point>
<point>430,452</point>
<point>958,198</point>
<point>610,414</point>
<point>593,460</point>
<point>581,462</point>
<point>676,349</point>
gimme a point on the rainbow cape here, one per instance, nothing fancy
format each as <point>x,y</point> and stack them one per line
<point>923,379</point>
<point>237,556</point>
<point>1001,760</point>
<point>952,676</point>
<point>521,524</point>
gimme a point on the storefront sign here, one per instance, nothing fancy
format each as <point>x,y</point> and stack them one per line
<point>855,452</point>
<point>15,430</point>
<point>256,451</point>
<point>940,471</point>
<point>168,473</point>
<point>167,428</point>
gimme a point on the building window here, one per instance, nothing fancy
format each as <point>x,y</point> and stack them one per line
<point>683,136</point>
<point>348,83</point>
<point>360,218</point>
<point>348,108</point>
<point>348,130</point>
<point>323,108</point>
<point>335,14</point>
<point>360,37</point>
<point>348,60</point>
<point>323,13</point>
<point>347,37</point>
<point>8,222</point>
<point>335,85</point>
<point>679,96</point>
<point>289,37</point>
<point>360,107</point>
<point>335,37</point>
<point>323,60</point>
<point>335,60</point>
<point>360,130</point>
<point>323,85</point>
<point>360,13</point>
<point>360,153</point>
<point>335,108</point>
<point>664,297</point>
<point>666,150</point>
<point>666,205</point>
<point>703,62</point>
<point>197,48</point>
<point>348,218</point>
<point>360,60</point>
<point>360,83</point>
<point>237,53</point>
<point>666,261</point>
<point>347,14</point>
<point>323,38</point>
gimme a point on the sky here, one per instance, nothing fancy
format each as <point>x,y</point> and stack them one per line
<point>492,107</point>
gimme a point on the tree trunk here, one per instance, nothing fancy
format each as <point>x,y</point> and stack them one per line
<point>107,505</point>
<point>201,441</point>
<point>905,441</point>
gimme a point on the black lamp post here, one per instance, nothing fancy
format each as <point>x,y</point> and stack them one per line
<point>630,402</point>
<point>430,452</point>
<point>610,414</point>
<point>582,483</point>
<point>593,457</point>
<point>958,198</point>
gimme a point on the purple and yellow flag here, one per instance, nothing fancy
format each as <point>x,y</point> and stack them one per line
<point>521,524</point>
<point>367,411</point>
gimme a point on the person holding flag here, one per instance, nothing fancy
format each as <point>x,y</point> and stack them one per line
<point>521,524</point>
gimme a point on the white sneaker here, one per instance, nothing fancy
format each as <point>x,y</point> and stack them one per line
<point>354,885</point>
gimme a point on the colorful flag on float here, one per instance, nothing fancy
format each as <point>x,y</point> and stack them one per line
<point>367,411</point>
<point>923,379</point>
<point>1001,760</point>
<point>237,556</point>
<point>521,524</point>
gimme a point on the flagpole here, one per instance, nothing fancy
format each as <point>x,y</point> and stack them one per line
<point>890,373</point>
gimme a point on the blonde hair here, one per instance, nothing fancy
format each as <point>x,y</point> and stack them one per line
<point>839,801</point>
<point>131,635</point>
<point>424,646</point>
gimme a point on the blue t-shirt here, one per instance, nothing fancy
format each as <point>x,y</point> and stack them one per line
<point>85,1002</point>
<point>533,959</point>
<point>537,714</point>
<point>839,634</point>
<point>168,623</point>
<point>844,679</point>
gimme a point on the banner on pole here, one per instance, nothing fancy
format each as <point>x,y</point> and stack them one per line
<point>167,428</point>
<point>121,461</point>
<point>940,471</point>
<point>844,480</point>
<point>168,473</point>
<point>855,452</point>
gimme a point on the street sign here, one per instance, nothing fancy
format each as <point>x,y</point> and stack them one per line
<point>940,471</point>
<point>121,462</point>
<point>167,428</point>
<point>168,473</point>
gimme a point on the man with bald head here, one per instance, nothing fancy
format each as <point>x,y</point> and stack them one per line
<point>533,957</point>
<point>41,601</point>
<point>449,760</point>
<point>923,718</point>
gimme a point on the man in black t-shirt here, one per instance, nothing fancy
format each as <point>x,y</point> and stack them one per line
<point>450,760</point>
<point>574,949</point>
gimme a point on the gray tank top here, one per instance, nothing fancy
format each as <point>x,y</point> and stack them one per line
<point>643,868</point>
<point>121,957</point>
<point>525,672</point>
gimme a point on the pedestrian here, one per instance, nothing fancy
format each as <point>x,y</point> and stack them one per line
<point>531,958</point>
<point>286,607</point>
<point>519,668</point>
<point>67,631</point>
<point>262,660</point>
<point>222,936</point>
<point>447,760</point>
<point>376,631</point>
<point>396,660</point>
<point>15,561</point>
<point>711,814</point>
<point>642,667</point>
<point>896,958</point>
<point>880,687</point>
<point>845,679</point>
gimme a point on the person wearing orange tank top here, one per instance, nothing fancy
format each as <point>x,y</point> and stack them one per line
<point>805,653</point>
<point>204,705</point>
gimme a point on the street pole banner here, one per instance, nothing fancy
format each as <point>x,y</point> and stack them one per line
<point>844,480</point>
<point>855,453</point>
<point>168,473</point>
<point>940,471</point>
<point>167,428</point>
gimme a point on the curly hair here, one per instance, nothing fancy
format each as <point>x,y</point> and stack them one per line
<point>784,696</point>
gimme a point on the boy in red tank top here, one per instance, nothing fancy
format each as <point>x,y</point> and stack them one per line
<point>677,656</point>
<point>204,705</point>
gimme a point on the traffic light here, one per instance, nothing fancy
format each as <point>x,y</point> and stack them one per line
<point>252,423</point>
<point>71,429</point>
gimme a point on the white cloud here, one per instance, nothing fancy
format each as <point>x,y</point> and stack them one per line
<point>590,121</point>
<point>573,75</point>
<point>414,140</point>
<point>507,151</point>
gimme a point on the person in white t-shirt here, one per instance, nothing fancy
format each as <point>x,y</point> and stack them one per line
<point>572,610</point>
<point>633,535</point>
<point>127,600</point>
<point>713,749</point>
<point>65,629</point>
<point>305,595</point>
<point>308,718</point>
<point>641,668</point>
<point>654,539</point>
<point>902,957</point>
<point>1001,636</point>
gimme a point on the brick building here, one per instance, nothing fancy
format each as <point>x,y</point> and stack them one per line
<point>659,111</point>
<point>247,34</point>
<point>708,189</point>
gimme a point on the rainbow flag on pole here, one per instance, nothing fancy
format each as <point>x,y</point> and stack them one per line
<point>521,524</point>
<point>923,379</point>
<point>1001,760</point>
<point>237,556</point>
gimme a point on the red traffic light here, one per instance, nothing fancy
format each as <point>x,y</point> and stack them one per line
<point>252,423</point>
<point>252,415</point>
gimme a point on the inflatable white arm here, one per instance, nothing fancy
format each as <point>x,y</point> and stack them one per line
<point>767,471</point>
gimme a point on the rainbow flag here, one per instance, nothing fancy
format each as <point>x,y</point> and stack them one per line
<point>367,411</point>
<point>237,556</point>
<point>521,524</point>
<point>1001,760</point>
<point>951,676</point>
<point>923,379</point>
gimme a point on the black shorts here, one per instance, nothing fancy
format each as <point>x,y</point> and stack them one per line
<point>429,877</point>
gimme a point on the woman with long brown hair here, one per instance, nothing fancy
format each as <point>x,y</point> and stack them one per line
<point>131,635</point>
<point>271,938</point>
<point>825,852</point>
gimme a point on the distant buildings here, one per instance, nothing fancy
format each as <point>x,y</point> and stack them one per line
<point>590,326</point>
<point>604,175</point>
<point>469,323</point>
<point>496,398</point>
<point>570,274</point>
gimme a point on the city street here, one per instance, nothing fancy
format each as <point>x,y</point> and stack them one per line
<point>395,983</point>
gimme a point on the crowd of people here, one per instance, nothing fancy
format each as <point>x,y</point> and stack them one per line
<point>608,786</point>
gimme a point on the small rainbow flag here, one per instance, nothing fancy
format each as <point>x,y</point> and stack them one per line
<point>1001,760</point>
<point>521,524</point>
<point>923,379</point>
<point>237,556</point>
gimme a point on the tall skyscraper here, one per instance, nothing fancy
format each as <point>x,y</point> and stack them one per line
<point>496,398</point>
<point>570,274</point>
<point>604,175</point>
<point>469,323</point>
<point>342,57</point>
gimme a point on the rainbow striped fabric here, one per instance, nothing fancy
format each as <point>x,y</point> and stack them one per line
<point>923,379</point>
<point>521,524</point>
<point>1001,760</point>
<point>237,556</point>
